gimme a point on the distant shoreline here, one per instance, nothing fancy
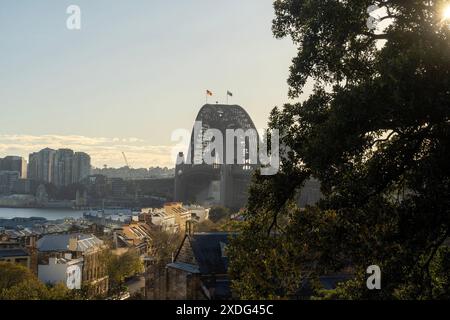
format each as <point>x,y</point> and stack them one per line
<point>46,208</point>
<point>47,213</point>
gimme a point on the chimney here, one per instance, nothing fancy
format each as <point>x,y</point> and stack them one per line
<point>116,244</point>
<point>73,243</point>
<point>189,228</point>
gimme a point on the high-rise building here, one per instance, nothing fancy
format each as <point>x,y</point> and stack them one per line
<point>81,166</point>
<point>62,167</point>
<point>33,166</point>
<point>40,165</point>
<point>13,163</point>
<point>7,181</point>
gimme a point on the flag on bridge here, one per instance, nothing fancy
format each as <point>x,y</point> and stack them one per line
<point>208,94</point>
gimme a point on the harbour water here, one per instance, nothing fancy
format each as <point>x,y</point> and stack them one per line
<point>49,214</point>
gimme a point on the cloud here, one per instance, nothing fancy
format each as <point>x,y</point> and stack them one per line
<point>102,150</point>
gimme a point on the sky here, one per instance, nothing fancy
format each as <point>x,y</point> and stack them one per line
<point>135,72</point>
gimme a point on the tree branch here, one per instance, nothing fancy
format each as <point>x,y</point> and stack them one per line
<point>381,36</point>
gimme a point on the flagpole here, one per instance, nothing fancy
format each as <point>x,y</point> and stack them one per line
<point>229,94</point>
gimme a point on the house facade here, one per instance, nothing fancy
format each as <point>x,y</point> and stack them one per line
<point>79,246</point>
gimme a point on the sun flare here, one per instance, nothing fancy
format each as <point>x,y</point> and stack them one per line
<point>446,13</point>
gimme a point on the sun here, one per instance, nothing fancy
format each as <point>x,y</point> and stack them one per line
<point>446,13</point>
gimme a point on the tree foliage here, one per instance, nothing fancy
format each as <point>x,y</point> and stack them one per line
<point>216,214</point>
<point>18,283</point>
<point>376,132</point>
<point>164,246</point>
<point>121,267</point>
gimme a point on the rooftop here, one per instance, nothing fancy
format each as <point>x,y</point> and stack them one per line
<point>209,251</point>
<point>184,266</point>
<point>8,253</point>
<point>61,242</point>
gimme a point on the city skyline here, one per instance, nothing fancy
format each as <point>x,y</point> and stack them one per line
<point>103,151</point>
<point>148,78</point>
<point>26,158</point>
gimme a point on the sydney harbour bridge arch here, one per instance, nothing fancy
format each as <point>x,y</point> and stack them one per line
<point>219,183</point>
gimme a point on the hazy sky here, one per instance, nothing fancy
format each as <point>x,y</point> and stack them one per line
<point>136,71</point>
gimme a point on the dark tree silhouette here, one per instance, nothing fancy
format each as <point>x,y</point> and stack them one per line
<point>376,132</point>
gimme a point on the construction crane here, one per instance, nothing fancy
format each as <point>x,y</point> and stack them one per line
<point>133,183</point>
<point>126,160</point>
